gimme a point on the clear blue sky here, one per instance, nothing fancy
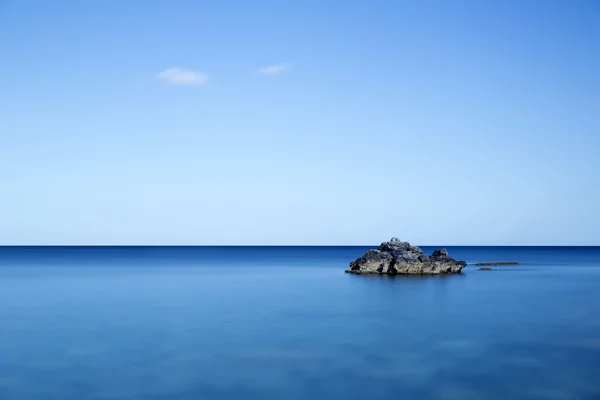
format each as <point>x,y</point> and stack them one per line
<point>305,122</point>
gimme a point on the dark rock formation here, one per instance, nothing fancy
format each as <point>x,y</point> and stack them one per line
<point>483,264</point>
<point>484,269</point>
<point>396,257</point>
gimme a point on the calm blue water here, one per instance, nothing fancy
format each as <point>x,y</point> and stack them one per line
<point>287,323</point>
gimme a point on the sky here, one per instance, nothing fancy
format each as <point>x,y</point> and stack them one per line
<point>328,122</point>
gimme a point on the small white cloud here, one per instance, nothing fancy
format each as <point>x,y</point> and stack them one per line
<point>276,69</point>
<point>182,77</point>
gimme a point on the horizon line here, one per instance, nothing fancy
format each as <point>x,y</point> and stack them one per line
<point>292,245</point>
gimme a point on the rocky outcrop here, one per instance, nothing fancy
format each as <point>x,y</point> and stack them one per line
<point>400,258</point>
<point>484,269</point>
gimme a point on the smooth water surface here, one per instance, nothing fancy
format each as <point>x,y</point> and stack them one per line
<point>287,323</point>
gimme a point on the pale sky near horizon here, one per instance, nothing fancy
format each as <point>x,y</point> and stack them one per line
<point>306,122</point>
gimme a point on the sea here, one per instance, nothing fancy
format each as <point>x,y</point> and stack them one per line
<point>199,323</point>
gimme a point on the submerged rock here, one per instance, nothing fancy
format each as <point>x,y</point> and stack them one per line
<point>484,269</point>
<point>400,258</point>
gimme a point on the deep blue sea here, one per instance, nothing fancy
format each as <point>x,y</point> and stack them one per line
<point>126,323</point>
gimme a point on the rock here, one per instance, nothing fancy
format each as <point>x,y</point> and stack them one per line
<point>375,260</point>
<point>424,258</point>
<point>440,253</point>
<point>484,269</point>
<point>397,257</point>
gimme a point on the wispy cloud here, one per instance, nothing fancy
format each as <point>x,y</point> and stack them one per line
<point>276,69</point>
<point>182,77</point>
